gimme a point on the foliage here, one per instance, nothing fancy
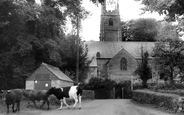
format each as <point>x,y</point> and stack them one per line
<point>168,51</point>
<point>144,70</point>
<point>31,34</point>
<point>157,99</point>
<point>68,52</point>
<point>170,8</point>
<point>126,33</point>
<point>98,1</point>
<point>142,29</point>
<point>99,83</point>
<point>173,10</point>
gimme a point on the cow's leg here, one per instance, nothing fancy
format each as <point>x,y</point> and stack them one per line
<point>28,103</point>
<point>76,101</point>
<point>80,101</point>
<point>34,103</point>
<point>18,106</point>
<point>64,101</point>
<point>42,104</point>
<point>13,107</point>
<point>61,102</point>
<point>7,108</point>
<point>48,104</point>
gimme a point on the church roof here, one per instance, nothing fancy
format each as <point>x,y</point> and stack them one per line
<point>110,49</point>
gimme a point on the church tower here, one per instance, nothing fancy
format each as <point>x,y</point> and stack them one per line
<point>110,25</point>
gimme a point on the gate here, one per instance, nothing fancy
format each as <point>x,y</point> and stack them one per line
<point>104,94</point>
<point>118,93</point>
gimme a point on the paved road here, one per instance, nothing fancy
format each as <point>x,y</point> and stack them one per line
<point>100,107</point>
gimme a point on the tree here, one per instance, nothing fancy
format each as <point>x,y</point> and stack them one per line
<point>170,8</point>
<point>173,10</point>
<point>143,29</point>
<point>144,70</point>
<point>126,33</point>
<point>168,51</point>
<point>30,34</point>
<point>69,57</point>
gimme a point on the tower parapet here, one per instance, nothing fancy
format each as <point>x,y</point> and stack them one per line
<point>110,26</point>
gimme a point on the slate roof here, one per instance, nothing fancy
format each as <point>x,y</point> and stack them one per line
<point>110,49</point>
<point>57,72</point>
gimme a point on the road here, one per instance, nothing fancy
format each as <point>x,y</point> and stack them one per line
<point>100,107</point>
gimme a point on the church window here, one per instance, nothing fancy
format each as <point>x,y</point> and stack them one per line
<point>123,64</point>
<point>110,22</point>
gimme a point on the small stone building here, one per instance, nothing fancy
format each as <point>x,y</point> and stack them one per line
<point>47,76</point>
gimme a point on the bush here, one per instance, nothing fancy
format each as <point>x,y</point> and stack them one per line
<point>177,92</point>
<point>88,95</point>
<point>96,83</point>
<point>171,86</point>
<point>157,99</point>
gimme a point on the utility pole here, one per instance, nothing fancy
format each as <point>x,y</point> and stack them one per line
<point>77,64</point>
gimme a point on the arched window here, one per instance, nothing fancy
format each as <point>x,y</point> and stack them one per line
<point>98,54</point>
<point>123,64</point>
<point>110,22</point>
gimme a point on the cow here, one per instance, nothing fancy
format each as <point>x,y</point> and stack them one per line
<point>72,92</point>
<point>36,95</point>
<point>12,97</point>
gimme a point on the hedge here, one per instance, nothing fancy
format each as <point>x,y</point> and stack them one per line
<point>88,95</point>
<point>177,92</point>
<point>163,100</point>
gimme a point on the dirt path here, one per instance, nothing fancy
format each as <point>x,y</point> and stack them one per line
<point>100,107</point>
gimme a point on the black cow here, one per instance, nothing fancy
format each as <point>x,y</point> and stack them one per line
<point>36,95</point>
<point>73,92</point>
<point>11,97</point>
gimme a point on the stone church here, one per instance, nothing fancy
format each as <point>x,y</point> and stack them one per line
<point>111,57</point>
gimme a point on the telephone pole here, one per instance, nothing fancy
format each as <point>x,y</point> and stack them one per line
<point>77,64</point>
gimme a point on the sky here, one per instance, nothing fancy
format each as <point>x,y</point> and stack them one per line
<point>129,9</point>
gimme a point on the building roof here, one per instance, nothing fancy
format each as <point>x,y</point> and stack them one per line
<point>110,49</point>
<point>57,72</point>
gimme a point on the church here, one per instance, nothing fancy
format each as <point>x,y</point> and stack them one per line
<point>112,57</point>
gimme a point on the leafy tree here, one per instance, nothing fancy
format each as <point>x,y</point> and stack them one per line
<point>144,70</point>
<point>69,57</point>
<point>173,10</point>
<point>126,33</point>
<point>98,1</point>
<point>30,34</point>
<point>143,29</point>
<point>170,8</point>
<point>168,51</point>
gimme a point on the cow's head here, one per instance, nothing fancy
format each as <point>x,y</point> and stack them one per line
<point>4,93</point>
<point>51,91</point>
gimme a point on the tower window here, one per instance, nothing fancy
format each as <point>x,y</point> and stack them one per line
<point>110,22</point>
<point>98,54</point>
<point>123,64</point>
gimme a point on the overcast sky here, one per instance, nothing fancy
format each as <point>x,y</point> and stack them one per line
<point>129,9</point>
